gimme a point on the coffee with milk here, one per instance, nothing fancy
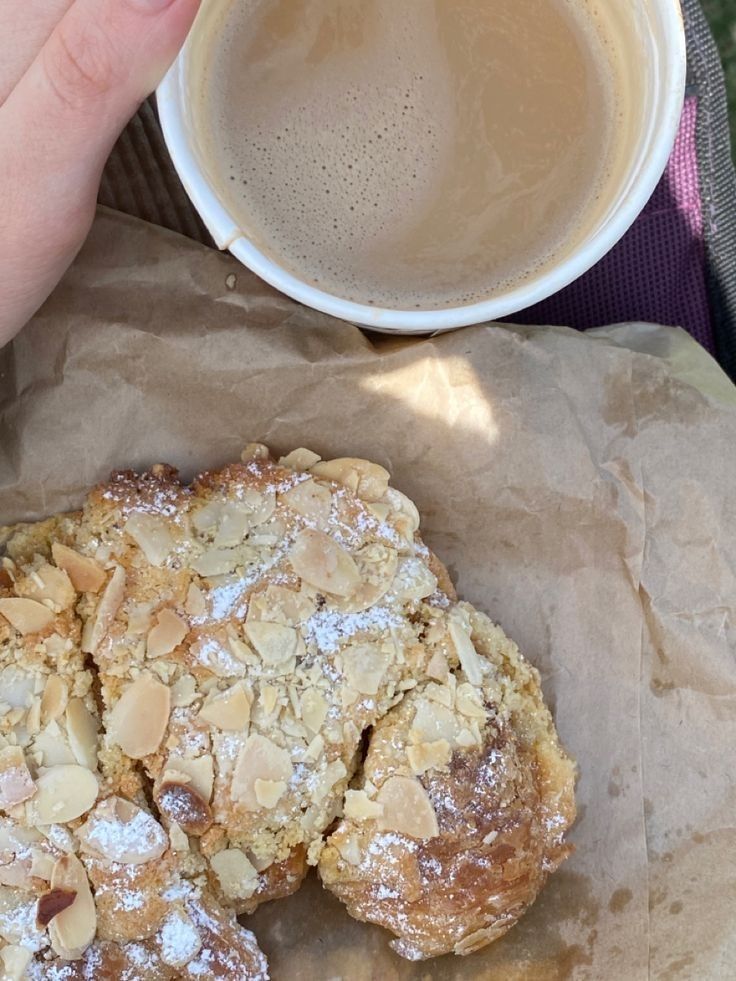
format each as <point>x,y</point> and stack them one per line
<point>414,154</point>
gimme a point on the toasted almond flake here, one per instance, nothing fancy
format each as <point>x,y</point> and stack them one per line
<point>273,641</point>
<point>443,694</point>
<point>333,773</point>
<point>217,561</point>
<point>349,849</point>
<point>237,876</point>
<point>269,792</point>
<point>82,728</point>
<point>180,801</point>
<point>55,698</point>
<point>255,451</point>
<point>311,500</point>
<point>379,510</point>
<point>49,585</point>
<point>320,561</point>
<point>184,691</point>
<point>179,841</point>
<point>429,756</point>
<point>365,666</point>
<point>368,480</point>
<point>16,783</point>
<point>406,808</point>
<point>466,739</point>
<point>138,721</point>
<point>377,568</point>
<point>438,667</point>
<point>414,580</point>
<point>469,701</point>
<point>228,710</point>
<point>300,459</point>
<point>433,721</point>
<point>15,960</point>
<point>195,605</point>
<point>471,662</point>
<point>404,514</point>
<point>180,939</point>
<point>168,632</point>
<point>86,575</point>
<point>119,831</point>
<point>268,698</point>
<point>475,941</point>
<point>200,770</point>
<point>314,709</point>
<point>260,759</point>
<point>359,806</point>
<point>279,604</point>
<point>42,864</point>
<point>63,793</point>
<point>96,628</point>
<point>73,930</point>
<point>52,903</point>
<point>233,526</point>
<point>152,534</point>
<point>33,718</point>
<point>315,749</point>
<point>26,615</point>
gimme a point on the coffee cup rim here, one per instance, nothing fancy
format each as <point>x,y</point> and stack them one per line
<point>654,152</point>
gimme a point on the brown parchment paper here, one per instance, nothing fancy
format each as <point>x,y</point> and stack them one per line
<point>581,490</point>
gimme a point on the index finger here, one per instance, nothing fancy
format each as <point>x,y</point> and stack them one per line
<point>25,26</point>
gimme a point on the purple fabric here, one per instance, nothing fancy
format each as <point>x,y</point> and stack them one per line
<point>657,271</point>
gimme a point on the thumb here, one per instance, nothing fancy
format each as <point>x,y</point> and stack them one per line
<point>58,127</point>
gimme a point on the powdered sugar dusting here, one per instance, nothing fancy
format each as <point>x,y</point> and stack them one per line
<point>328,629</point>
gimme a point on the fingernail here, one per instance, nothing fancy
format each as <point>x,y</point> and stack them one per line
<point>150,5</point>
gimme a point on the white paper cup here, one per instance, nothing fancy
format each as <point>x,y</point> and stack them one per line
<point>662,62</point>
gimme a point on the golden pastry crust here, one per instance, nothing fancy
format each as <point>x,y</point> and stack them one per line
<point>285,613</point>
<point>89,882</point>
<point>488,819</point>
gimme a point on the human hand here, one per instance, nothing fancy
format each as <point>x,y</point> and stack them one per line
<point>72,73</point>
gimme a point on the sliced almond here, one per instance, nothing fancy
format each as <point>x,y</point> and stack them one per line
<point>26,615</point>
<point>273,641</point>
<point>82,728</point>
<point>15,961</point>
<point>120,831</point>
<point>470,661</point>
<point>216,561</point>
<point>54,700</point>
<point>87,576</point>
<point>414,580</point>
<point>195,605</point>
<point>184,691</point>
<point>377,570</point>
<point>228,710</point>
<point>199,769</point>
<point>73,929</point>
<point>433,721</point>
<point>237,876</point>
<point>269,696</point>
<point>429,756</point>
<point>42,864</point>
<point>269,792</point>
<point>438,667</point>
<point>233,526</point>
<point>359,806</point>
<point>365,666</point>
<point>96,628</point>
<point>255,451</point>
<point>179,840</point>
<point>320,561</point>
<point>314,709</point>
<point>181,802</point>
<point>52,903</point>
<point>48,584</point>
<point>152,534</point>
<point>279,604</point>
<point>469,701</point>
<point>180,939</point>
<point>63,793</point>
<point>300,459</point>
<point>260,759</point>
<point>368,480</point>
<point>404,513</point>
<point>166,635</point>
<point>311,500</point>
<point>407,808</point>
<point>138,721</point>
<point>16,783</point>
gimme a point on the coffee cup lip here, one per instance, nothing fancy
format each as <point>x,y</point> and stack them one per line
<point>654,151</point>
